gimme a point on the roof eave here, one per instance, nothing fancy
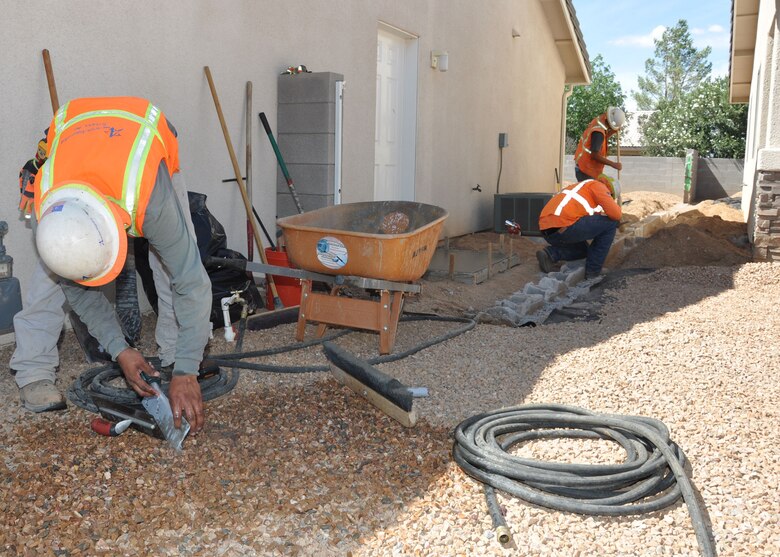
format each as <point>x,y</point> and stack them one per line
<point>744,22</point>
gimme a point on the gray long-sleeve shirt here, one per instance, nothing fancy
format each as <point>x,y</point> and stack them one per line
<point>166,230</point>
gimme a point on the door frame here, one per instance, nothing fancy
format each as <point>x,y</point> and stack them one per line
<point>408,130</point>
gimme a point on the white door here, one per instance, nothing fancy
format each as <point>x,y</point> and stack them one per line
<point>396,86</point>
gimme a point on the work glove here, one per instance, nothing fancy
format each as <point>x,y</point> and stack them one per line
<point>26,187</point>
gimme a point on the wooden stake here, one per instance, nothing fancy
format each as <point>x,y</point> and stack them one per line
<point>452,266</point>
<point>490,259</point>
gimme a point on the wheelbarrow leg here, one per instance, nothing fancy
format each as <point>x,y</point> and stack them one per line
<point>323,326</point>
<point>300,330</point>
<point>389,314</point>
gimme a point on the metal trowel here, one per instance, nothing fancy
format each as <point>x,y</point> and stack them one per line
<point>159,407</point>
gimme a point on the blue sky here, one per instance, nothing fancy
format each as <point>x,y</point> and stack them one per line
<point>622,31</point>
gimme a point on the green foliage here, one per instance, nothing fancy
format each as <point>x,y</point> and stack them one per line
<point>677,68</point>
<point>703,120</point>
<point>588,101</point>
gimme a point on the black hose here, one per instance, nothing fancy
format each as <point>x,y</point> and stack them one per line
<point>96,380</point>
<point>651,478</point>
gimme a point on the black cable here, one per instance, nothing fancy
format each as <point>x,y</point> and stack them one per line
<point>651,478</point>
<point>97,380</point>
<point>500,166</point>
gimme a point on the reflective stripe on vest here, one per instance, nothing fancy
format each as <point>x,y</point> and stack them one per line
<point>574,194</point>
<point>136,161</point>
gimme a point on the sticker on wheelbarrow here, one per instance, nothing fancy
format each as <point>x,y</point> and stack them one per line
<point>332,252</point>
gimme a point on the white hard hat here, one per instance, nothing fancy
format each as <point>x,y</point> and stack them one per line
<point>81,235</point>
<point>616,118</point>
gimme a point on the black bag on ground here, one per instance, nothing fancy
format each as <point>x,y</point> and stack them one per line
<point>212,242</point>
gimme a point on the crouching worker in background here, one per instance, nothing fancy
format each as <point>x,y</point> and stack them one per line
<point>580,223</point>
<point>108,174</point>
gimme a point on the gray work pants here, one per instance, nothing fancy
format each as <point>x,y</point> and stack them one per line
<point>37,327</point>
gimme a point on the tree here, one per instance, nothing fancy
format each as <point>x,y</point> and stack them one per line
<point>588,101</point>
<point>703,120</point>
<point>677,68</point>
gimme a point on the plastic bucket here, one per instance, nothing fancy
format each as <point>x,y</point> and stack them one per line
<point>289,288</point>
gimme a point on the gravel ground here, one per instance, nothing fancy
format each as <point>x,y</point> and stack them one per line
<point>297,465</point>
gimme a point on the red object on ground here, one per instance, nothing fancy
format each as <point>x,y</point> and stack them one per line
<point>289,288</point>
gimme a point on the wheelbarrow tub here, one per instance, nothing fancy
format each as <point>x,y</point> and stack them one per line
<point>355,239</point>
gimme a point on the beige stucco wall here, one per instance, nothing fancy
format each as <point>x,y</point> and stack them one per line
<point>495,83</point>
<point>762,152</point>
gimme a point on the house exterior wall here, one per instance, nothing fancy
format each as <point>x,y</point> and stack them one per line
<point>495,83</point>
<point>761,190</point>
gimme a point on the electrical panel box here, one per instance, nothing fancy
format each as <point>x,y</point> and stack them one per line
<point>522,208</point>
<point>503,140</point>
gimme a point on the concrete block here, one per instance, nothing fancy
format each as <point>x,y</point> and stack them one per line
<point>575,277</point>
<point>557,287</point>
<point>285,206</point>
<point>308,87</point>
<point>571,266</point>
<point>532,289</point>
<point>306,118</point>
<point>504,314</point>
<point>511,305</point>
<point>618,247</point>
<point>650,225</point>
<point>317,179</point>
<point>307,148</point>
<point>532,305</point>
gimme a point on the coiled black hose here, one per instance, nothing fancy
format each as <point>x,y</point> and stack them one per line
<point>651,478</point>
<point>97,380</point>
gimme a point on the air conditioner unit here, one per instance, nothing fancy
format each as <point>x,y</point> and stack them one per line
<point>522,208</point>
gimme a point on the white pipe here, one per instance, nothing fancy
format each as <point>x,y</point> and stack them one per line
<point>567,91</point>
<point>230,334</point>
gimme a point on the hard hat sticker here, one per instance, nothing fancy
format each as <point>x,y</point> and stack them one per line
<point>332,252</point>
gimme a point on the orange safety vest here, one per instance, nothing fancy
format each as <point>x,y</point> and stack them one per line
<point>576,201</point>
<point>114,144</point>
<point>582,156</point>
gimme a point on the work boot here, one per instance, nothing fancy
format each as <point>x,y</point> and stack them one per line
<point>546,264</point>
<point>42,396</point>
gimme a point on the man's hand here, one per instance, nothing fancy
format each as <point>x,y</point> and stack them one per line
<point>618,166</point>
<point>185,397</point>
<point>133,363</point>
<point>26,186</point>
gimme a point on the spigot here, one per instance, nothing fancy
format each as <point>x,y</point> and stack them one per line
<point>6,261</point>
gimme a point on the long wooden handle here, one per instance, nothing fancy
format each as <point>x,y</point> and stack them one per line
<point>618,151</point>
<point>55,101</point>
<point>241,187</point>
<point>249,234</point>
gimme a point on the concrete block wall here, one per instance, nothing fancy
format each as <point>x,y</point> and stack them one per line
<point>306,136</point>
<point>715,178</point>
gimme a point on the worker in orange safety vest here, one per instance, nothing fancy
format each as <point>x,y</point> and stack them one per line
<point>591,154</point>
<point>580,223</point>
<point>108,174</point>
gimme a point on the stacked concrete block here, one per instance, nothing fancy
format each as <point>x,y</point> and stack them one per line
<point>535,301</point>
<point>306,134</point>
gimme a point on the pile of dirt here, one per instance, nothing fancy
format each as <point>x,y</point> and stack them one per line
<point>685,245</point>
<point>639,204</point>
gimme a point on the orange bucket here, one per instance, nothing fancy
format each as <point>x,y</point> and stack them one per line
<point>289,288</point>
